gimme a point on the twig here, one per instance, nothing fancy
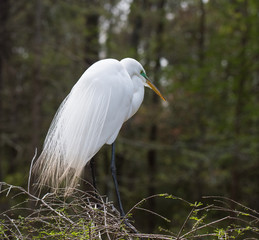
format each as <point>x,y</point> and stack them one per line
<point>237,203</point>
<point>10,187</point>
<point>143,200</point>
<point>32,161</point>
<point>188,217</point>
<point>206,225</point>
<point>41,200</point>
<point>12,221</point>
<point>154,213</point>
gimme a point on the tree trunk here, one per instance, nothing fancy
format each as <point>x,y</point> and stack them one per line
<point>153,131</point>
<point>201,38</point>
<point>202,96</point>
<point>37,83</point>
<point>240,103</point>
<point>4,52</point>
<point>92,36</point>
<point>136,19</point>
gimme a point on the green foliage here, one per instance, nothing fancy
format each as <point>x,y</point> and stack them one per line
<point>89,216</point>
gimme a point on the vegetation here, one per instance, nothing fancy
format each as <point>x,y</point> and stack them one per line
<point>202,55</point>
<point>87,215</point>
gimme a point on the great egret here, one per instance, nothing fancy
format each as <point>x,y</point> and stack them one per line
<point>107,94</point>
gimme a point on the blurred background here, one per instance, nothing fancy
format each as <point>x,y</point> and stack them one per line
<point>203,55</point>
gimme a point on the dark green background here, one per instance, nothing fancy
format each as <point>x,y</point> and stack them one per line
<point>202,55</point>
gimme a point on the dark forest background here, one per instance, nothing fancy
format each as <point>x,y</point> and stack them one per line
<point>202,55</point>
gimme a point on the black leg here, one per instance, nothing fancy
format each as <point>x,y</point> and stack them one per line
<point>93,173</point>
<point>114,176</point>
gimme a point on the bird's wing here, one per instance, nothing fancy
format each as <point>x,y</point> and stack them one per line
<point>74,136</point>
<point>90,116</point>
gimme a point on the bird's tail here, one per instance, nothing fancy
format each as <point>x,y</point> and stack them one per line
<point>59,164</point>
<point>52,172</point>
<point>73,138</point>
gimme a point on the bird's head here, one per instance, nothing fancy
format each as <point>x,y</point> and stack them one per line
<point>135,68</point>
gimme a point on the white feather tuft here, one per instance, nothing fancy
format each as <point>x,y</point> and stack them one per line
<point>74,137</point>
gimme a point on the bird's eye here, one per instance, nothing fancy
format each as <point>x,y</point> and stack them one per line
<point>142,73</point>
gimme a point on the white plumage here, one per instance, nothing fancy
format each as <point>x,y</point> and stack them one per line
<point>107,94</point>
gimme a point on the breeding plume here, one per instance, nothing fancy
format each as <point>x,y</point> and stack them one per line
<point>107,94</point>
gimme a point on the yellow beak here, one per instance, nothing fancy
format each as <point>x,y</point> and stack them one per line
<point>153,87</point>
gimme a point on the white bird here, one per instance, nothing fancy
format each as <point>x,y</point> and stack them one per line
<point>106,95</point>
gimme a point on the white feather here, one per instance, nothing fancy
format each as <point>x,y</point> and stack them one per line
<point>107,94</point>
<point>92,114</point>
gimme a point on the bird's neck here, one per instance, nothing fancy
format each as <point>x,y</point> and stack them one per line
<point>138,95</point>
